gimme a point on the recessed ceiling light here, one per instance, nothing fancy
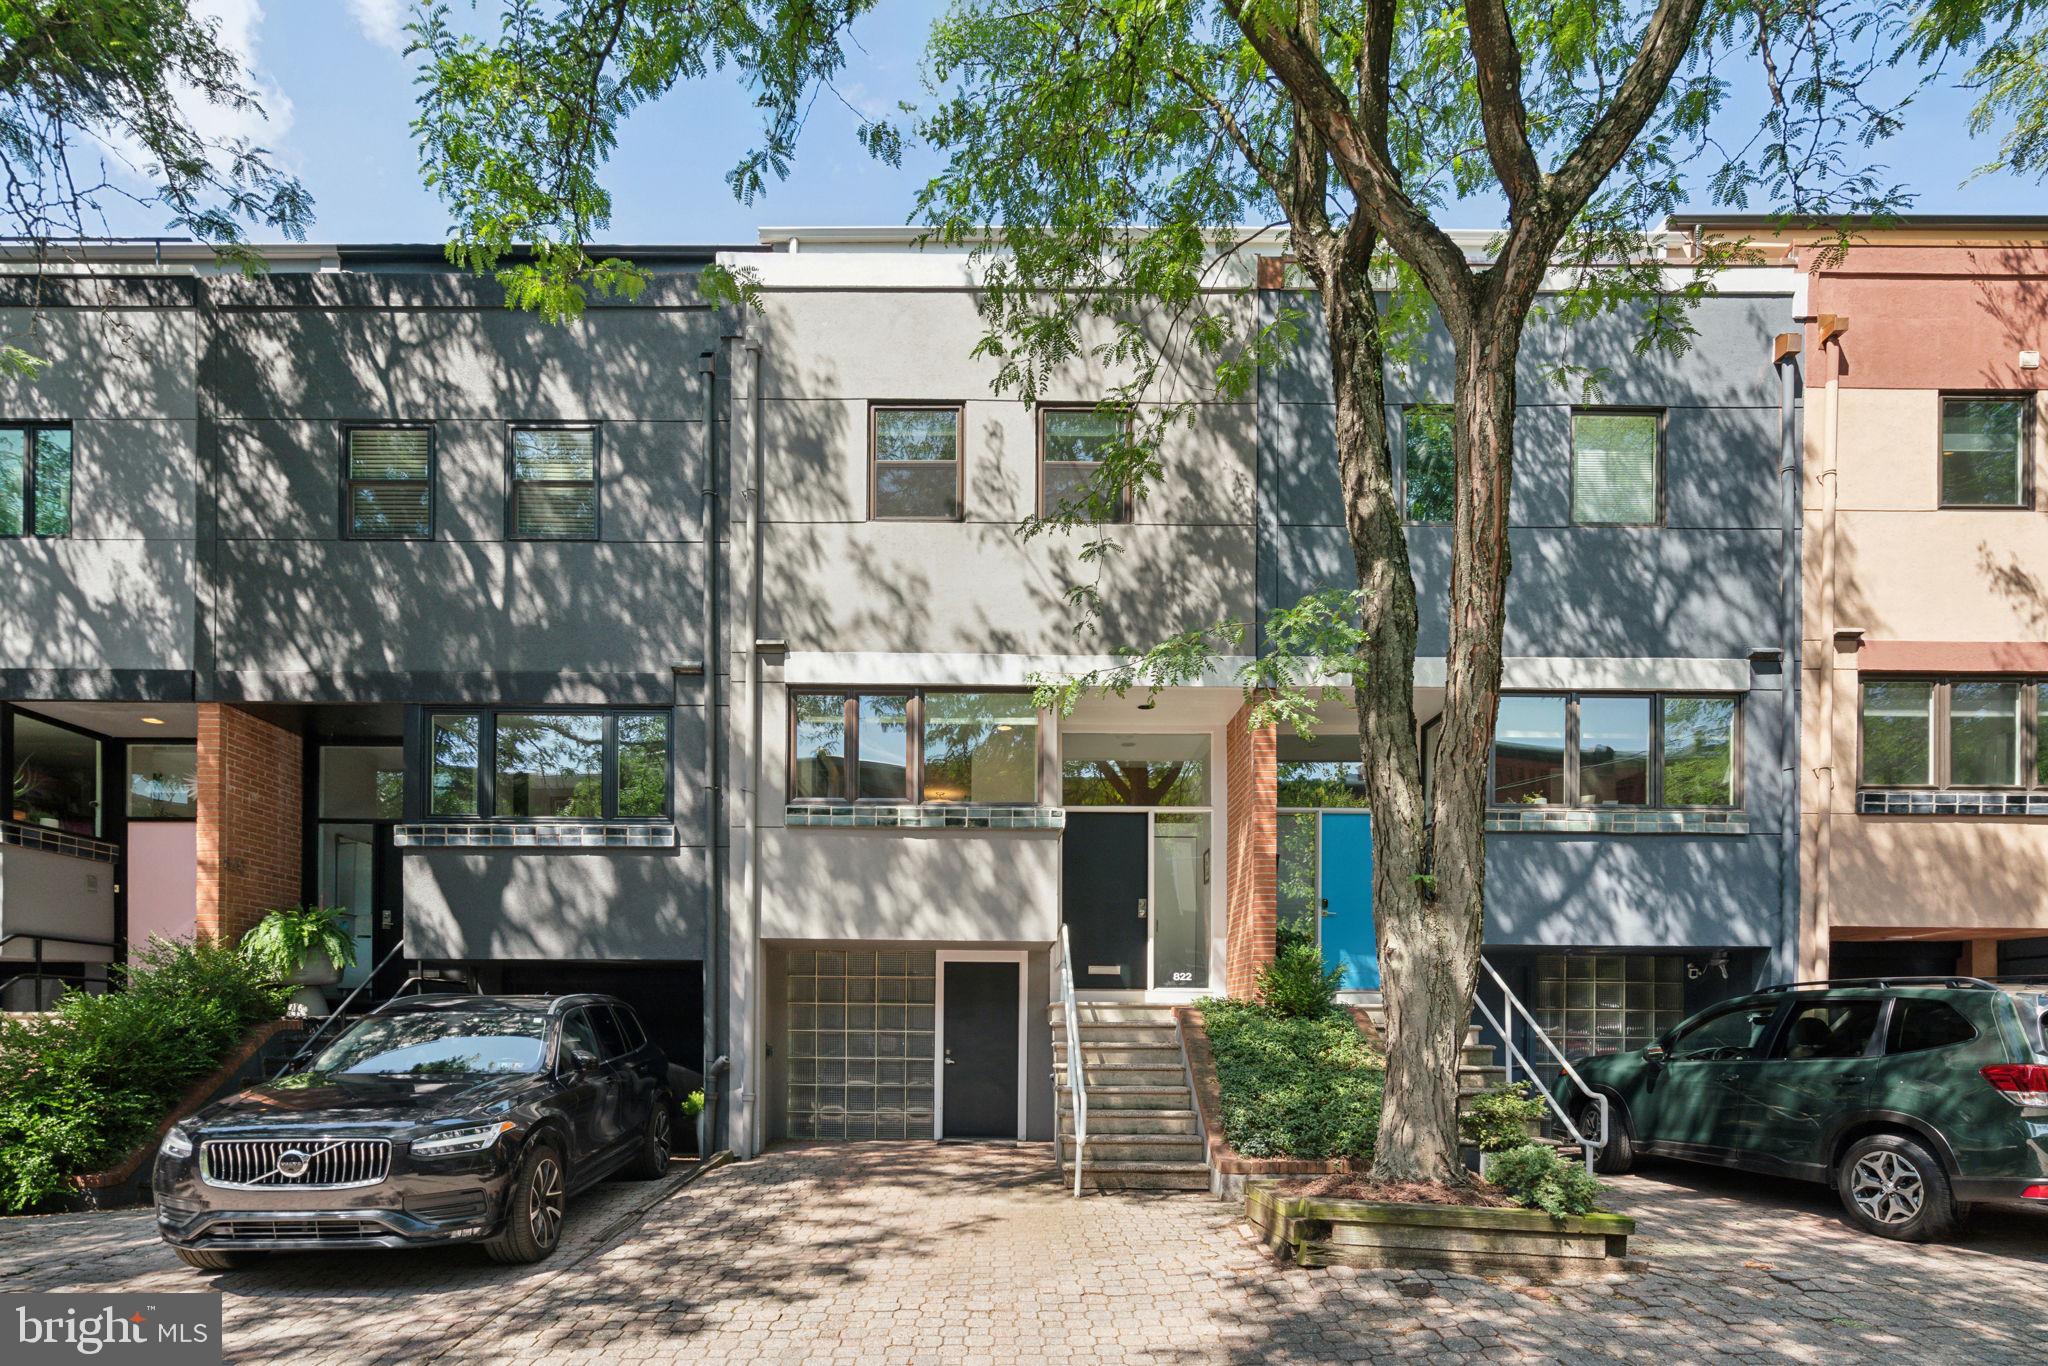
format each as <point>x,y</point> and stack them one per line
<point>1005,726</point>
<point>152,720</point>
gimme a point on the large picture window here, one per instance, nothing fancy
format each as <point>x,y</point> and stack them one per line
<point>1960,732</point>
<point>914,746</point>
<point>549,764</point>
<point>1616,749</point>
<point>1984,450</point>
<point>35,480</point>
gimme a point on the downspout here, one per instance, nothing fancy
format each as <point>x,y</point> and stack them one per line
<point>1816,952</point>
<point>1790,678</point>
<point>756,552</point>
<point>707,366</point>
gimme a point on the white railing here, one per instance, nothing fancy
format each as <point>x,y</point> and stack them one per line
<point>1511,1006</point>
<point>1077,1088</point>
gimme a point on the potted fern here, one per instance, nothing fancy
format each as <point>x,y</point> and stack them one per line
<point>307,947</point>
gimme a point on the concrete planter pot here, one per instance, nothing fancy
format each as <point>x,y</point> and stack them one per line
<point>1314,1231</point>
<point>316,971</point>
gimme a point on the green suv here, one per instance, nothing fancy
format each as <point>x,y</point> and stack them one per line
<point>1914,1097</point>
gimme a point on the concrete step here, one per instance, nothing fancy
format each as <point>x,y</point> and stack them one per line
<point>1114,1148</point>
<point>1109,1074</point>
<point>1093,1053</point>
<point>1141,1176</point>
<point>1162,1036</point>
<point>1132,1120</point>
<point>1116,1012</point>
<point>1125,1097</point>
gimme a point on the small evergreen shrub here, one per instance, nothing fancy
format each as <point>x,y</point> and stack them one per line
<point>1294,984</point>
<point>1535,1177</point>
<point>1294,1085</point>
<point>693,1105</point>
<point>81,1086</point>
<point>1498,1118</point>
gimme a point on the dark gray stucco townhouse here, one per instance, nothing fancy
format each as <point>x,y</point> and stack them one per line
<point>374,593</point>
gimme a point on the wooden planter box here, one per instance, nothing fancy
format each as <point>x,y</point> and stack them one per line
<point>1320,1232</point>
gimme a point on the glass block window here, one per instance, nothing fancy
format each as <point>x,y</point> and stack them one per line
<point>861,1032</point>
<point>1617,473</point>
<point>390,484</point>
<point>554,484</point>
<point>1608,1003</point>
<point>1984,452</point>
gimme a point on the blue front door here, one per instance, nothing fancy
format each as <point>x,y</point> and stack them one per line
<point>1348,940</point>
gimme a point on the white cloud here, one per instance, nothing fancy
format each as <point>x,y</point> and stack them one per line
<point>382,22</point>
<point>240,32</point>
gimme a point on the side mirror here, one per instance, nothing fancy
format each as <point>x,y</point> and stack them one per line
<point>578,1062</point>
<point>1656,1055</point>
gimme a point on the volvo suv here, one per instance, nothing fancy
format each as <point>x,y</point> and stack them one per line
<point>434,1120</point>
<point>1912,1097</point>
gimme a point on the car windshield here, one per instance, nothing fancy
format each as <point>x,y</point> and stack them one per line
<point>432,1044</point>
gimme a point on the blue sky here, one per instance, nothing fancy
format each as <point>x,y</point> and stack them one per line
<point>341,98</point>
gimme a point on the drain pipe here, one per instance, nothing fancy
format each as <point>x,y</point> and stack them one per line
<point>707,366</point>
<point>754,1073</point>
<point>1785,356</point>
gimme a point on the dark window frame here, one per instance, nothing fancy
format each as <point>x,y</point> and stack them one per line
<point>959,411</point>
<point>2025,398</point>
<point>1655,697</point>
<point>1407,501</point>
<point>513,482</point>
<point>348,483</point>
<point>1124,500</point>
<point>28,482</point>
<point>1571,439</point>
<point>487,763</point>
<point>1938,760</point>
<point>913,757</point>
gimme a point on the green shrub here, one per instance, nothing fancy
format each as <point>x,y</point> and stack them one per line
<point>285,938</point>
<point>1294,1086</point>
<point>1292,931</point>
<point>1294,983</point>
<point>1535,1177</point>
<point>82,1086</point>
<point>693,1105</point>
<point>1498,1118</point>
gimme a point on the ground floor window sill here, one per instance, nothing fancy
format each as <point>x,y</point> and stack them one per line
<point>1505,820</point>
<point>1880,802</point>
<point>913,816</point>
<point>536,835</point>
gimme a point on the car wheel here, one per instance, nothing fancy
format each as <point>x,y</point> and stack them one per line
<point>1893,1187</point>
<point>214,1261</point>
<point>1618,1153</point>
<point>533,1209</point>
<point>657,1144</point>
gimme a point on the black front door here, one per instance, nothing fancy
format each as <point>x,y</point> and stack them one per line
<point>981,1059</point>
<point>1104,895</point>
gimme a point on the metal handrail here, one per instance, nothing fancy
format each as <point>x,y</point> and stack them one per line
<point>1077,1087</point>
<point>342,1009</point>
<point>37,974</point>
<point>1511,1004</point>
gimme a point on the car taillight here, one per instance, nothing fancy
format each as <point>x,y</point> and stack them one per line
<point>2035,1193</point>
<point>2022,1083</point>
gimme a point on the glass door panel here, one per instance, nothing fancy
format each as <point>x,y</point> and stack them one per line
<point>1180,900</point>
<point>347,878</point>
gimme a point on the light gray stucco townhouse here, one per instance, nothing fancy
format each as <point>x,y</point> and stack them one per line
<point>373,593</point>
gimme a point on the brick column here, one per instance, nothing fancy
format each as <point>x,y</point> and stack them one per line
<point>249,794</point>
<point>1251,887</point>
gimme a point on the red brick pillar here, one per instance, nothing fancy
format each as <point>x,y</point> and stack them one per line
<point>1251,889</point>
<point>249,819</point>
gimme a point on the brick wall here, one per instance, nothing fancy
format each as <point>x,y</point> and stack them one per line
<point>1251,891</point>
<point>248,828</point>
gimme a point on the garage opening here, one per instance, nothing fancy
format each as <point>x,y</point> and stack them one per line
<point>668,997</point>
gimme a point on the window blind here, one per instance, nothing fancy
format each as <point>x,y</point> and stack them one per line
<point>1614,468</point>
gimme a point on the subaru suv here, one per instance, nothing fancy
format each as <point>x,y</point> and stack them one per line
<point>1912,1097</point>
<point>433,1120</point>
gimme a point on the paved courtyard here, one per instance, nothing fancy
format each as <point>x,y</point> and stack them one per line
<point>927,1253</point>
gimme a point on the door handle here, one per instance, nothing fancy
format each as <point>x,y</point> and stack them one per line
<point>1143,906</point>
<point>949,1057</point>
<point>1326,906</point>
<point>1729,1076</point>
<point>1856,1080</point>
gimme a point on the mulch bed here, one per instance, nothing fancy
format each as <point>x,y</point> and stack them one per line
<point>1341,1187</point>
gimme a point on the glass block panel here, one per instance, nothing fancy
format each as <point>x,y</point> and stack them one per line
<point>861,1069</point>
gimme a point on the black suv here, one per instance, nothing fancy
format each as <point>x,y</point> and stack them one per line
<point>1912,1097</point>
<point>436,1119</point>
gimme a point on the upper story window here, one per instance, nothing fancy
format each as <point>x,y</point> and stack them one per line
<point>35,480</point>
<point>554,484</point>
<point>1617,468</point>
<point>910,746</point>
<point>1963,732</point>
<point>548,764</point>
<point>1428,468</point>
<point>1628,749</point>
<point>1984,451</point>
<point>389,483</point>
<point>915,463</point>
<point>1073,444</point>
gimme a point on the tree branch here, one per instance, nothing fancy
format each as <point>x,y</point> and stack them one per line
<point>1664,45</point>
<point>1498,63</point>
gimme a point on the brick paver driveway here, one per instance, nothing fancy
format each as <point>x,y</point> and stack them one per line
<point>898,1253</point>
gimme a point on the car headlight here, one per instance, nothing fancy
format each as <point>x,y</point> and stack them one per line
<point>470,1138</point>
<point>177,1143</point>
